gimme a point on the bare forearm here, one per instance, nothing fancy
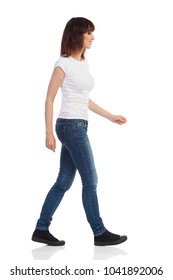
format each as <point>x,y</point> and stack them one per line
<point>102,112</point>
<point>49,116</point>
<point>99,110</point>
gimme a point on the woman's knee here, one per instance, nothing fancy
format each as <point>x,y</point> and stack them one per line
<point>90,181</point>
<point>65,180</point>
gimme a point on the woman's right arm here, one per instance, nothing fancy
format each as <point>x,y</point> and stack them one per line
<point>54,84</point>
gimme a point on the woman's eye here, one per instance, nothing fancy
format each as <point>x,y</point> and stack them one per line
<point>89,32</point>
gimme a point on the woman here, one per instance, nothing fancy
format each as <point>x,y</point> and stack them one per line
<point>72,75</point>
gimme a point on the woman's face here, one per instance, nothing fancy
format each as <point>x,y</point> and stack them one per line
<point>88,38</point>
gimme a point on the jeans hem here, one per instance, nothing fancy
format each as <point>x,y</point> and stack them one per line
<point>42,228</point>
<point>101,232</point>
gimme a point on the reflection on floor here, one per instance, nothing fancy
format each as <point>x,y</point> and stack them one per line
<point>100,253</point>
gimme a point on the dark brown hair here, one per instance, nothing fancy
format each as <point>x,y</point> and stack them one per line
<point>72,39</point>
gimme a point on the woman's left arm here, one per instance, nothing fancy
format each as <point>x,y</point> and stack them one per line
<point>103,113</point>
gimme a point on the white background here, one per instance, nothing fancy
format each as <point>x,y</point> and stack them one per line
<point>132,62</point>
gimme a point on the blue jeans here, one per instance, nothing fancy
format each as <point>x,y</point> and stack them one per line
<point>76,154</point>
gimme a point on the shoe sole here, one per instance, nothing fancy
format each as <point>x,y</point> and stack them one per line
<point>119,241</point>
<point>50,243</point>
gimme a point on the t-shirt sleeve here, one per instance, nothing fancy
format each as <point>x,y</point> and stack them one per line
<point>61,63</point>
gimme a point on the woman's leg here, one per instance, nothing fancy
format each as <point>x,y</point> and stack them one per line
<point>63,183</point>
<point>78,144</point>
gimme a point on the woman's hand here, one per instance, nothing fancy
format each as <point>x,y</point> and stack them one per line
<point>50,142</point>
<point>118,119</point>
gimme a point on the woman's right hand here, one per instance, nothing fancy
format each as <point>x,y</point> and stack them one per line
<point>50,142</point>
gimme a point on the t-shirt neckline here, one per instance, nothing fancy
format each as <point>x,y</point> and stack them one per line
<point>79,61</point>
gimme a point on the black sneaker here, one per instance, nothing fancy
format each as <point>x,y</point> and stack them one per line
<point>108,238</point>
<point>44,236</point>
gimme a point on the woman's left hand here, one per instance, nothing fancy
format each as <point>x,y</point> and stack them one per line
<point>118,119</point>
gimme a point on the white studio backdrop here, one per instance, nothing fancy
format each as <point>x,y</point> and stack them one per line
<point>131,60</point>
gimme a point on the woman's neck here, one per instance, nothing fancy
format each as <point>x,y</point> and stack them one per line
<point>77,55</point>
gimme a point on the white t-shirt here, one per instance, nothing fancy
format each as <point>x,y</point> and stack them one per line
<point>75,87</point>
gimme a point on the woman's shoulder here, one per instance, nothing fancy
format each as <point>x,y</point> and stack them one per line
<point>62,62</point>
<point>68,64</point>
<point>61,59</point>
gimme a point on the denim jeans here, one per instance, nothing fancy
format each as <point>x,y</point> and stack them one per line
<point>76,154</point>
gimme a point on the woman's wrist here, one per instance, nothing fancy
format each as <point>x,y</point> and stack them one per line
<point>109,116</point>
<point>49,133</point>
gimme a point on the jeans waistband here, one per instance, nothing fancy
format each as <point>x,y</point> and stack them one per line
<point>72,121</point>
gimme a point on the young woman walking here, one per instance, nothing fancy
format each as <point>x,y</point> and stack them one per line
<point>71,73</point>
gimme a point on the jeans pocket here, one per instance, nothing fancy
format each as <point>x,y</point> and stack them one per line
<point>79,124</point>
